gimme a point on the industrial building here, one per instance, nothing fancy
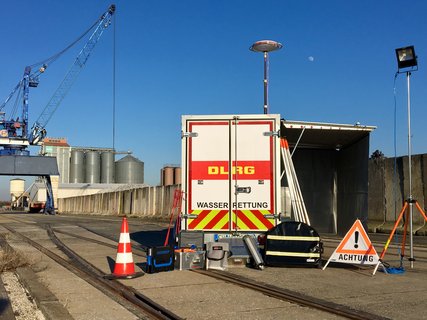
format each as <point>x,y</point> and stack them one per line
<point>82,171</point>
<point>92,164</point>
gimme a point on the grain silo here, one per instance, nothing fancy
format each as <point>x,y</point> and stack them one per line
<point>77,169</point>
<point>168,176</point>
<point>162,180</point>
<point>17,188</point>
<point>107,167</point>
<point>129,170</point>
<point>93,167</point>
<point>177,175</point>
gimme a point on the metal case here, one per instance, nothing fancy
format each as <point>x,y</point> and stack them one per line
<point>217,254</point>
<point>191,239</point>
<point>188,260</point>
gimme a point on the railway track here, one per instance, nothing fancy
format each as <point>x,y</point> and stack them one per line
<point>139,304</point>
<point>275,292</point>
<point>271,291</point>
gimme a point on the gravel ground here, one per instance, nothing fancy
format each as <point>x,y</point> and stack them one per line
<point>23,305</point>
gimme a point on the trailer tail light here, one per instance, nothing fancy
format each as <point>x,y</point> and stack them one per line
<point>261,240</point>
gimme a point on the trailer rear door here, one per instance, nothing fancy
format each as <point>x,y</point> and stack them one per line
<point>231,172</point>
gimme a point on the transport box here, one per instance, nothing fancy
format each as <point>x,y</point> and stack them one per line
<point>217,254</point>
<point>193,239</point>
<point>292,243</point>
<point>239,255</point>
<point>160,259</point>
<point>189,259</point>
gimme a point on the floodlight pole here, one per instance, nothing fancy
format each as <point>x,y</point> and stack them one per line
<point>410,199</point>
<point>265,82</point>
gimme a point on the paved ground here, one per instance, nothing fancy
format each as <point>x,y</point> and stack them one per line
<point>195,296</point>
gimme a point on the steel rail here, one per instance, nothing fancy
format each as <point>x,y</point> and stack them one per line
<point>135,302</point>
<point>99,234</point>
<point>292,296</point>
<point>135,251</point>
<point>130,293</point>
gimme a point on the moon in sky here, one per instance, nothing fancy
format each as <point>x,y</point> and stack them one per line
<point>311,58</point>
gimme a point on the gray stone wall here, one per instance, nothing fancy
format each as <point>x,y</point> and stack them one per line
<point>389,188</point>
<point>154,202</point>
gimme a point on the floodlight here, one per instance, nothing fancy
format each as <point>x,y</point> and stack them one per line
<point>406,57</point>
<point>266,46</point>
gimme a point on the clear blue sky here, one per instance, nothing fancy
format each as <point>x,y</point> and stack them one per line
<point>192,57</point>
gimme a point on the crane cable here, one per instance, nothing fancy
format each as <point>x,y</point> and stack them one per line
<point>16,103</point>
<point>114,82</point>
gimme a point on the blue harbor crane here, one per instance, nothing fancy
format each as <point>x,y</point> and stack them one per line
<point>15,135</point>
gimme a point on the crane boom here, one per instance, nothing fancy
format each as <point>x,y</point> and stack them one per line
<point>38,131</point>
<point>14,134</point>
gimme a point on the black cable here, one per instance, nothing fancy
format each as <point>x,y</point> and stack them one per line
<point>15,105</point>
<point>114,81</point>
<point>395,163</point>
<point>395,145</point>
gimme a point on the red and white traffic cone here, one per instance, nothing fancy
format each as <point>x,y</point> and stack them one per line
<point>124,267</point>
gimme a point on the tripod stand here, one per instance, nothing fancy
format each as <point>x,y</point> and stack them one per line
<point>408,203</point>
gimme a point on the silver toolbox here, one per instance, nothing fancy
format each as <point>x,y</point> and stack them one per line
<point>186,260</point>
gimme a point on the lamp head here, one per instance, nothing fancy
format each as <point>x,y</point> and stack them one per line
<point>266,46</point>
<point>406,57</point>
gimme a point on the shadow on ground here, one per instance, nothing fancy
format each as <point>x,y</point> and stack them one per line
<point>153,238</point>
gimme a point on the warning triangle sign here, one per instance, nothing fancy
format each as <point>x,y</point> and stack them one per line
<point>355,248</point>
<point>356,241</point>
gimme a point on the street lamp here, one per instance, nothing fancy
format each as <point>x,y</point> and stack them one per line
<point>266,46</point>
<point>407,62</point>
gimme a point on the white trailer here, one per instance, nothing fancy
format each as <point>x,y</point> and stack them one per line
<point>230,173</point>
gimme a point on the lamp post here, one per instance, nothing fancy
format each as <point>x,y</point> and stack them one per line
<point>266,46</point>
<point>406,59</point>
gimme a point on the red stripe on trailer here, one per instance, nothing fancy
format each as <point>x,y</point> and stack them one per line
<point>193,224</point>
<point>216,219</point>
<point>226,226</point>
<point>219,170</point>
<point>263,219</point>
<point>243,217</point>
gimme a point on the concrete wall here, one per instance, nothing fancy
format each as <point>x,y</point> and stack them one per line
<point>389,188</point>
<point>140,202</point>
